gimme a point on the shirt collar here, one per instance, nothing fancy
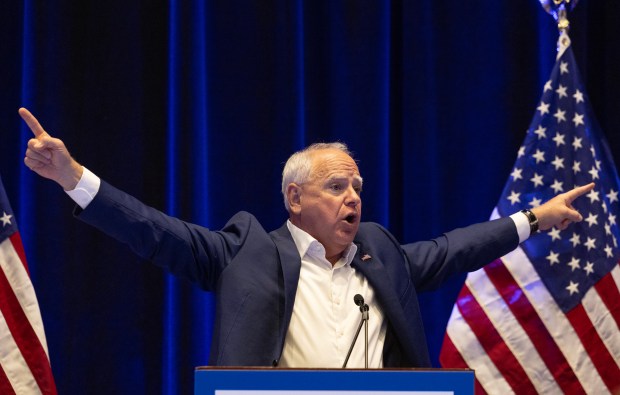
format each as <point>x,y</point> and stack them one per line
<point>303,242</point>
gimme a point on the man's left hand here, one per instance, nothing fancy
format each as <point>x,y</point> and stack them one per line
<point>559,211</point>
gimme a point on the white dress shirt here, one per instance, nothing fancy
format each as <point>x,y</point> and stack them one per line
<point>325,318</point>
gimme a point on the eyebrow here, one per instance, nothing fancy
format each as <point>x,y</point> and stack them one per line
<point>337,177</point>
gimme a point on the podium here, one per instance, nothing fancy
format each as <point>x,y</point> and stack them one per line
<point>263,381</point>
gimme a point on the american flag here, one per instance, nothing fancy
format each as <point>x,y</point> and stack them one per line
<point>24,361</point>
<point>546,317</point>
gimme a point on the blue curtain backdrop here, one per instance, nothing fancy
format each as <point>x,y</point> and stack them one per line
<point>193,106</point>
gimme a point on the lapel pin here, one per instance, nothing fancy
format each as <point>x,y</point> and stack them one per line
<point>366,257</point>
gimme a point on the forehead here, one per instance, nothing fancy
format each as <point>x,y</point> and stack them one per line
<point>331,162</point>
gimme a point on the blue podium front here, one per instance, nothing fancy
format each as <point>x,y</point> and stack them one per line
<point>263,381</point>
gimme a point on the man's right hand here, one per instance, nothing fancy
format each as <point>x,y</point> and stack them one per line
<point>48,156</point>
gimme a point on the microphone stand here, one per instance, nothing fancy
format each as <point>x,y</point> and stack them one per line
<point>364,321</point>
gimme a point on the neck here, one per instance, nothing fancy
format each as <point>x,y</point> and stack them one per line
<point>332,255</point>
<point>333,258</point>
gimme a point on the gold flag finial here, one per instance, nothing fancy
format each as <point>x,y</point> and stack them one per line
<point>559,10</point>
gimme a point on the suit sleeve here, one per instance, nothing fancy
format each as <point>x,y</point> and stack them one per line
<point>185,249</point>
<point>461,250</point>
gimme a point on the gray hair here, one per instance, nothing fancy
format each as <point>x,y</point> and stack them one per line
<point>298,166</point>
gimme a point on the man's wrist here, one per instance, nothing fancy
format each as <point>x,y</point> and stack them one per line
<point>69,182</point>
<point>532,219</point>
<point>86,189</point>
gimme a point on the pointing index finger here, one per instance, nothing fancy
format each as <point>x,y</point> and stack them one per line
<point>32,122</point>
<point>575,193</point>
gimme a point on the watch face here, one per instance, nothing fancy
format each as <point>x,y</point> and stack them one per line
<point>531,217</point>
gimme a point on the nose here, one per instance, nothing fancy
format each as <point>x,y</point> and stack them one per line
<point>353,198</point>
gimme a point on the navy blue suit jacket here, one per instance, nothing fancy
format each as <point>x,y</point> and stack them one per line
<point>254,274</point>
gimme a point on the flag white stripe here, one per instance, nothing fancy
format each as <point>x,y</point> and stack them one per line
<point>475,356</point>
<point>555,321</point>
<point>513,335</point>
<point>19,280</point>
<point>603,322</point>
<point>13,363</point>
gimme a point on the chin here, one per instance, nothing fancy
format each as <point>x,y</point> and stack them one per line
<point>347,238</point>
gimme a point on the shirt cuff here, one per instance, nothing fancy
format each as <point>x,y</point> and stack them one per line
<point>86,189</point>
<point>523,225</point>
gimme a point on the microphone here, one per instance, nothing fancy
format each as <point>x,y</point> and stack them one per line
<point>359,301</point>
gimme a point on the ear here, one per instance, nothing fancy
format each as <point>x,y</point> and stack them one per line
<point>293,194</point>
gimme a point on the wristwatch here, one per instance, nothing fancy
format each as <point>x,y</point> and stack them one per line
<point>532,219</point>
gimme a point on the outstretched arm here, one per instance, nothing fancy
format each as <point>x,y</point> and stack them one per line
<point>559,211</point>
<point>48,156</point>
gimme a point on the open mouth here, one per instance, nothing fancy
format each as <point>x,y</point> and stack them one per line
<point>350,218</point>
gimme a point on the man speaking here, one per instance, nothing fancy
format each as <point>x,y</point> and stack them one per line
<point>285,298</point>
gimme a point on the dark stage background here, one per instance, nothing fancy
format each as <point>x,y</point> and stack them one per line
<point>193,106</point>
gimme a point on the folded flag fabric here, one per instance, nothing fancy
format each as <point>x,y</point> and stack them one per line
<point>24,359</point>
<point>545,318</point>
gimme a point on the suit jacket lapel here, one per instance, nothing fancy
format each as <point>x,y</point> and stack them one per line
<point>290,262</point>
<point>374,270</point>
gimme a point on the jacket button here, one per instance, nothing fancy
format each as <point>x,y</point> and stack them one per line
<point>275,363</point>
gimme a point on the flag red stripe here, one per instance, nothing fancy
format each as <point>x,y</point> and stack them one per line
<point>601,359</point>
<point>533,325</point>
<point>452,358</point>
<point>25,337</point>
<point>5,384</point>
<point>493,344</point>
<point>609,293</point>
<point>16,240</point>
